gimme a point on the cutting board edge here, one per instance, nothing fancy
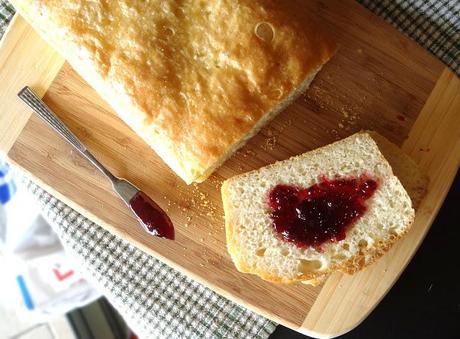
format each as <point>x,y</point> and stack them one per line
<point>45,65</point>
<point>443,100</point>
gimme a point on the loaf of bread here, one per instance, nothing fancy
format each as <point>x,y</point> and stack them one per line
<point>195,79</point>
<point>255,243</point>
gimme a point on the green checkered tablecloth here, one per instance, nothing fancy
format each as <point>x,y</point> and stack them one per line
<point>434,24</point>
<point>6,14</point>
<point>155,300</point>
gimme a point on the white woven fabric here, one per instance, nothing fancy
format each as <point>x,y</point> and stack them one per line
<point>155,300</point>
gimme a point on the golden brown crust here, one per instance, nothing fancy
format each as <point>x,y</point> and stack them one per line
<point>366,257</point>
<point>362,259</point>
<point>191,77</point>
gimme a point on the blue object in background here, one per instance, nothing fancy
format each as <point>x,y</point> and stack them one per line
<point>25,292</point>
<point>7,185</point>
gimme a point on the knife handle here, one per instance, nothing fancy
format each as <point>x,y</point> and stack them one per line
<point>33,101</point>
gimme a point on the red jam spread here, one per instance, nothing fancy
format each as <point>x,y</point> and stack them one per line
<point>323,212</point>
<point>152,216</point>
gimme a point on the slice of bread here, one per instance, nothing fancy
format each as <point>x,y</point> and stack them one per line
<point>256,248</point>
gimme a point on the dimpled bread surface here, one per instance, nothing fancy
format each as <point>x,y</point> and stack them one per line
<point>195,79</point>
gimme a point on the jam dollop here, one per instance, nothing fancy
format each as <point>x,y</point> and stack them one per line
<point>320,213</point>
<point>154,219</point>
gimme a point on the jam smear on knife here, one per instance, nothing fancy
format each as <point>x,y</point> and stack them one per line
<point>155,220</point>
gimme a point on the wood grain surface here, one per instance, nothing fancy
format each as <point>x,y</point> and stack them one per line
<point>378,80</point>
<point>16,69</point>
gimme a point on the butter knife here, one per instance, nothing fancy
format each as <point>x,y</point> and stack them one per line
<point>154,220</point>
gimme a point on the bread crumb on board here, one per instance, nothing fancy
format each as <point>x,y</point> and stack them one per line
<point>194,202</point>
<point>201,202</point>
<point>269,144</point>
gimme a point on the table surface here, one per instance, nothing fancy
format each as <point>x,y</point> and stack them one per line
<point>425,302</point>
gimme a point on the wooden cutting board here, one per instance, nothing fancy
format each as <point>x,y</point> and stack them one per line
<point>379,79</point>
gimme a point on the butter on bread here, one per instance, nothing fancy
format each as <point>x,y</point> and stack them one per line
<point>256,248</point>
<point>195,79</point>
